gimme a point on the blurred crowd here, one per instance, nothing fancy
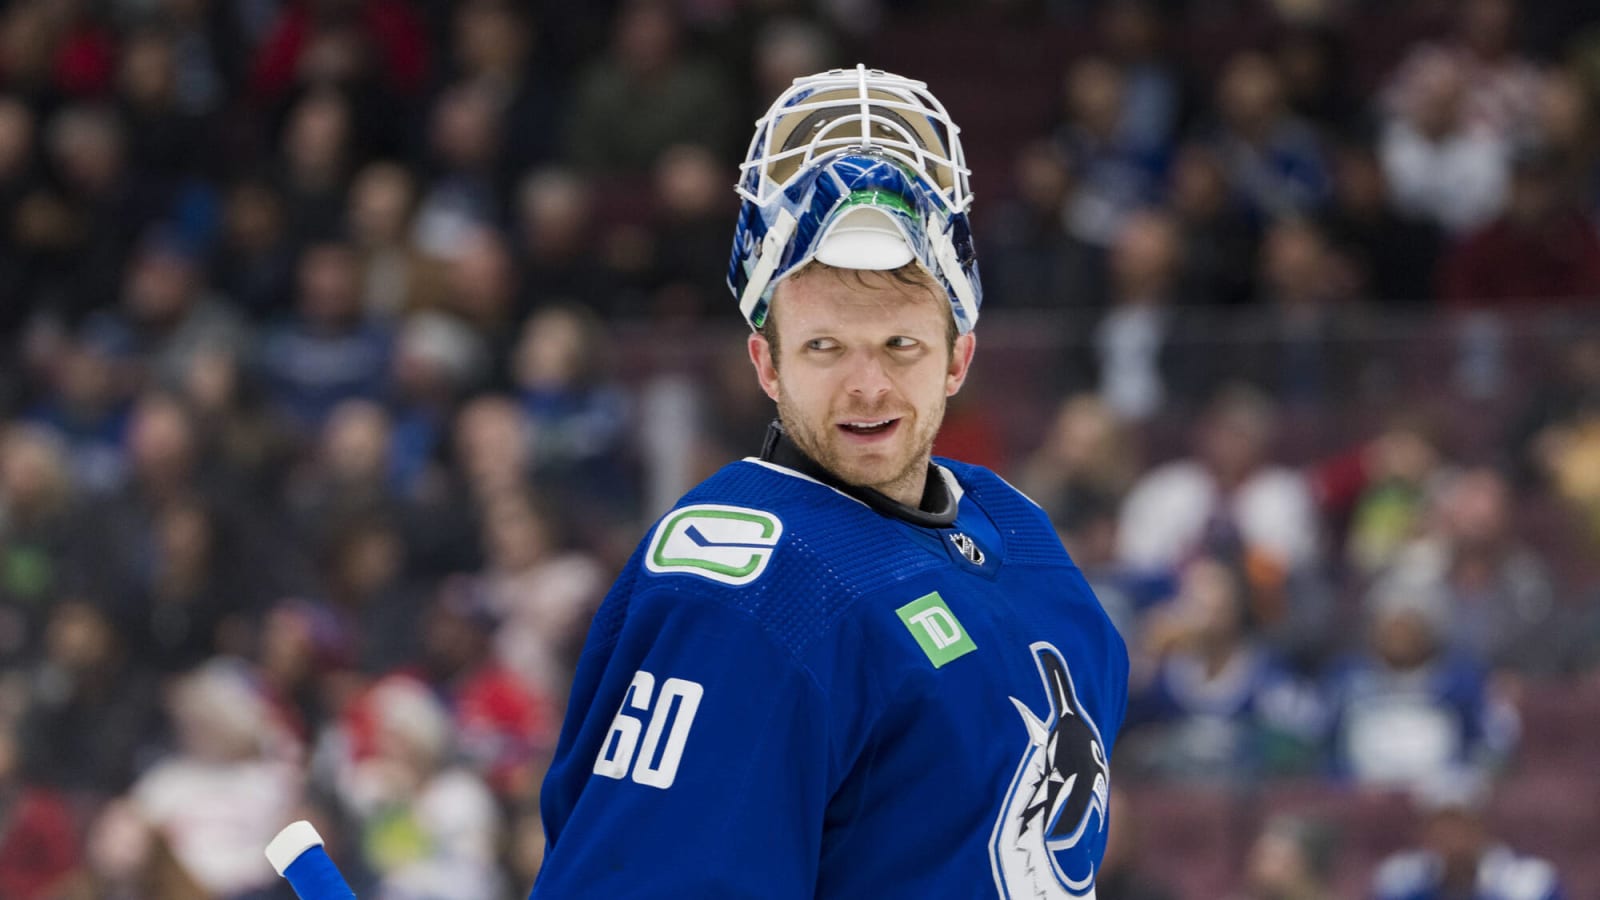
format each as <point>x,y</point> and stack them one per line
<point>350,345</point>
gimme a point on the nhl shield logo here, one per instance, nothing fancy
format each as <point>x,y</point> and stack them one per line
<point>968,547</point>
<point>1052,823</point>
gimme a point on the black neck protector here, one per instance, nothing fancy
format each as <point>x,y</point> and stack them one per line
<point>937,509</point>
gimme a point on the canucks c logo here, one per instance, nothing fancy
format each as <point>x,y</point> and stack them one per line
<point>1052,824</point>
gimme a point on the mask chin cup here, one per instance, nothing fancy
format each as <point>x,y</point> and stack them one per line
<point>864,238</point>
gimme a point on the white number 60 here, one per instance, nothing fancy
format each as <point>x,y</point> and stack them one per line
<point>617,750</point>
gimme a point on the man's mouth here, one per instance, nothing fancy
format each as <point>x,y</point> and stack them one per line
<point>868,427</point>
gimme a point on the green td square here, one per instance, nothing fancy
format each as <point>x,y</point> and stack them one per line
<point>936,629</point>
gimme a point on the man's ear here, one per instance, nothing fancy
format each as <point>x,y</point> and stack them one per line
<point>960,363</point>
<point>766,366</point>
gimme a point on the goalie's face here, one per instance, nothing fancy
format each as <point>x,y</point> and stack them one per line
<point>861,370</point>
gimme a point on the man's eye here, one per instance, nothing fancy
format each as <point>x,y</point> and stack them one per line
<point>821,344</point>
<point>902,343</point>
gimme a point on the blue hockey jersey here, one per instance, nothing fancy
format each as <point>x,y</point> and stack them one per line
<point>790,693</point>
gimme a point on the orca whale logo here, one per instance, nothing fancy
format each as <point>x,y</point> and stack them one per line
<point>1052,824</point>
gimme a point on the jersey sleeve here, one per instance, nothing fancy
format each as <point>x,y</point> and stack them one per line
<point>694,762</point>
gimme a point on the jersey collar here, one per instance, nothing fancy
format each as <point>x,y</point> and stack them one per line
<point>937,509</point>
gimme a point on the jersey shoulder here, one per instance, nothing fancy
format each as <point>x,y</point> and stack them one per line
<point>1029,535</point>
<point>789,552</point>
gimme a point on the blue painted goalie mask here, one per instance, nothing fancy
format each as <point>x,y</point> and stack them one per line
<point>858,169</point>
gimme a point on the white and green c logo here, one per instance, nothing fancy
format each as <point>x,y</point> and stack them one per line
<point>730,544</point>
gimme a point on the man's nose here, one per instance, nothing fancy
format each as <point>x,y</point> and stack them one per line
<point>867,375</point>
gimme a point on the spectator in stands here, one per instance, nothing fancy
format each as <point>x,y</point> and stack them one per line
<point>1139,369</point>
<point>127,860</point>
<point>331,350</point>
<point>300,664</point>
<point>91,717</point>
<point>580,416</point>
<point>18,162</point>
<point>438,361</point>
<point>728,408</point>
<point>504,724</point>
<point>316,154</point>
<point>252,261</point>
<point>167,145</point>
<point>1219,239</point>
<point>1080,473</point>
<point>80,232</point>
<point>1214,702</point>
<point>194,601</point>
<point>1556,438</point>
<point>86,401</point>
<point>369,594</point>
<point>558,244</point>
<point>1499,85</point>
<point>644,95</point>
<point>1113,174</point>
<point>1569,124</point>
<point>480,292</point>
<point>493,44</point>
<point>1500,599</point>
<point>1408,704</point>
<point>1541,250</point>
<point>494,444</point>
<point>1383,489</point>
<point>1458,855</point>
<point>227,787</point>
<point>1390,255</point>
<point>243,442</point>
<point>427,826</point>
<point>1306,294</point>
<point>1291,859</point>
<point>351,473</point>
<point>161,453</point>
<point>1228,497</point>
<point>485,451</point>
<point>173,563</point>
<point>689,230</point>
<point>1314,60</point>
<point>1441,166</point>
<point>1135,38</point>
<point>171,314</point>
<point>1031,260</point>
<point>39,848</point>
<point>541,590</point>
<point>1086,523</point>
<point>378,46</point>
<point>397,277</point>
<point>1273,159</point>
<point>1087,449</point>
<point>55,50</point>
<point>210,55</point>
<point>466,185</point>
<point>36,535</point>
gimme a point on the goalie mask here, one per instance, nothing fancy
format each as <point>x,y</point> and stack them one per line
<point>858,169</point>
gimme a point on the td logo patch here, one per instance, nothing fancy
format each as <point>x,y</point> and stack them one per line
<point>936,629</point>
<point>730,544</point>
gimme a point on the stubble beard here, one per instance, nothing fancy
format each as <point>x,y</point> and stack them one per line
<point>825,449</point>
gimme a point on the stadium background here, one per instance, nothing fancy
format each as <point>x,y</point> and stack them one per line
<point>349,345</point>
